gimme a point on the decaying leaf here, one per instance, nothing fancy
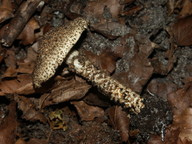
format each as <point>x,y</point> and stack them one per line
<point>161,87</point>
<point>181,99</point>
<point>2,54</point>
<point>31,141</point>
<point>186,8</point>
<point>26,65</point>
<point>27,36</point>
<point>93,97</point>
<point>120,121</point>
<point>180,131</point>
<point>174,4</point>
<point>97,8</point>
<point>182,31</point>
<point>164,62</point>
<point>110,30</point>
<point>18,84</point>
<point>105,61</point>
<point>17,77</point>
<point>139,73</point>
<point>64,91</point>
<point>8,127</point>
<point>104,17</point>
<point>29,109</point>
<point>139,66</point>
<point>87,112</point>
<point>6,10</point>
<point>10,62</point>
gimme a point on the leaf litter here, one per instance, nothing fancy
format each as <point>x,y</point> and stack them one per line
<point>145,45</point>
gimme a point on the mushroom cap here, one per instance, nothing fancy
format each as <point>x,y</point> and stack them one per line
<point>54,47</point>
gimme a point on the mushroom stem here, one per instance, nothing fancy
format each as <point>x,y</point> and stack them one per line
<point>81,65</point>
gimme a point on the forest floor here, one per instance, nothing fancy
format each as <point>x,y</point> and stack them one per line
<point>143,44</point>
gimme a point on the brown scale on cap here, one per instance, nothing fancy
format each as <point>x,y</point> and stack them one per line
<point>54,47</point>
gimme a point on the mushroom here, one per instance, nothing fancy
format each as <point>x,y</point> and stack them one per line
<point>55,48</point>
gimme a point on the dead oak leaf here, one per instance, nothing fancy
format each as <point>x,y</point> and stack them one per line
<point>96,9</point>
<point>180,131</point>
<point>164,62</point>
<point>28,108</point>
<point>87,112</point>
<point>10,62</point>
<point>17,85</point>
<point>120,121</point>
<point>138,74</point>
<point>27,36</point>
<point>32,141</point>
<point>6,10</point>
<point>161,87</point>
<point>64,90</point>
<point>182,31</point>
<point>186,8</point>
<point>26,65</point>
<point>139,68</point>
<point>181,99</point>
<point>105,61</point>
<point>8,127</point>
<point>104,17</point>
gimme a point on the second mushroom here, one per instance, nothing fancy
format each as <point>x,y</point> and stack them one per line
<point>55,47</point>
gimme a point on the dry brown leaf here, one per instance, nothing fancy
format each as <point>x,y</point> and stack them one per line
<point>10,62</point>
<point>174,4</point>
<point>182,31</point>
<point>184,122</point>
<point>87,112</point>
<point>138,75</point>
<point>65,90</point>
<point>31,141</point>
<point>104,17</point>
<point>8,127</point>
<point>105,61</point>
<point>161,87</point>
<point>163,68</point>
<point>6,10</point>
<point>20,141</point>
<point>109,29</point>
<point>37,141</point>
<point>21,84</point>
<point>186,8</point>
<point>94,97</point>
<point>28,108</point>
<point>120,121</point>
<point>27,36</point>
<point>140,71</point>
<point>181,99</point>
<point>27,65</point>
<point>2,53</point>
<point>180,132</point>
<point>154,139</point>
<point>139,68</point>
<point>96,9</point>
<point>131,11</point>
<point>24,66</point>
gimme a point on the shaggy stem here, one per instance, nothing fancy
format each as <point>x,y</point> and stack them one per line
<point>81,65</point>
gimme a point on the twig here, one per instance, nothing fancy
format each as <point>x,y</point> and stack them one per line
<point>22,16</point>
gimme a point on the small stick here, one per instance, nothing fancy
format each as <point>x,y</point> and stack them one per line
<point>17,24</point>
